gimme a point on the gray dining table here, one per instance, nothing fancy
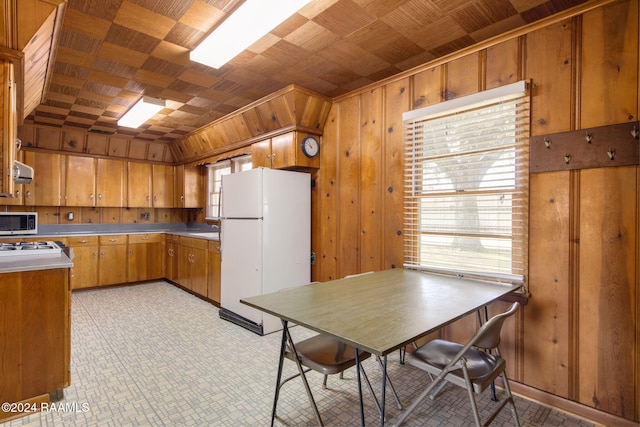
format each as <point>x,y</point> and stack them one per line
<point>379,312</point>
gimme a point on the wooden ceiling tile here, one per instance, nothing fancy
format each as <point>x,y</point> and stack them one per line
<point>412,16</point>
<point>122,54</point>
<point>438,33</point>
<point>199,78</point>
<point>185,35</point>
<point>498,28</point>
<point>344,17</point>
<point>524,5</point>
<point>66,84</point>
<point>483,13</point>
<point>102,9</point>
<point>131,39</point>
<point>160,66</point>
<point>312,37</point>
<point>172,52</point>
<point>107,78</point>
<point>173,9</point>
<point>202,16</point>
<point>86,24</point>
<point>70,56</point>
<point>151,78</point>
<point>113,68</point>
<point>133,16</point>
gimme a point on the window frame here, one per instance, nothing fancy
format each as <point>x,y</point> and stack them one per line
<point>415,159</point>
<point>234,165</point>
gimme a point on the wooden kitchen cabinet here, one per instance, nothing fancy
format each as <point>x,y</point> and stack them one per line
<point>189,188</point>
<point>138,185</point>
<point>110,178</point>
<point>80,184</point>
<point>171,257</point>
<point>84,273</point>
<point>162,185</point>
<point>283,152</point>
<point>144,258</point>
<point>113,259</point>
<point>214,271</point>
<point>9,128</point>
<point>46,187</point>
<point>192,267</point>
<point>36,335</point>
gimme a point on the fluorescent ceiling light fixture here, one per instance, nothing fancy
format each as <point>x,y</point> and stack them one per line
<point>144,109</point>
<point>250,22</point>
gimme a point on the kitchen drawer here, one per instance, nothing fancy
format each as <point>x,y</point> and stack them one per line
<point>194,243</point>
<point>83,241</point>
<point>113,239</point>
<point>173,238</point>
<point>145,238</point>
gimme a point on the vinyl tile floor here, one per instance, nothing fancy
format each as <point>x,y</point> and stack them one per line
<point>154,355</point>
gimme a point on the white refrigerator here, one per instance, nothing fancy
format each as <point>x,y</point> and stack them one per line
<point>265,240</point>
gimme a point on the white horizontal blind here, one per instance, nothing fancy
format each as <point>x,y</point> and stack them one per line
<point>467,186</point>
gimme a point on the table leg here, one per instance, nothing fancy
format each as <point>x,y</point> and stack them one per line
<point>283,343</point>
<point>358,367</point>
<point>384,390</point>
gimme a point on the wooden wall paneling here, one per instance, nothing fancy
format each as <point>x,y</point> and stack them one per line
<point>97,145</point>
<point>268,117</point>
<point>48,138</point>
<point>609,67</point>
<point>49,215</point>
<point>284,109</point>
<point>463,76</point>
<point>325,233</point>
<point>253,122</point>
<point>549,62</point>
<point>348,187</point>
<point>90,215</point>
<point>397,100</point>
<point>156,151</point>
<point>503,63</point>
<point>428,87</point>
<point>546,336</point>
<point>138,150</point>
<point>111,215</point>
<point>608,278</point>
<point>118,147</point>
<point>372,168</point>
<point>74,141</point>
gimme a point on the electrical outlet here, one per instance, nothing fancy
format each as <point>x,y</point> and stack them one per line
<point>146,216</point>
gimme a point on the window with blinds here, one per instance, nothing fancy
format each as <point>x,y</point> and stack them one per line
<point>467,185</point>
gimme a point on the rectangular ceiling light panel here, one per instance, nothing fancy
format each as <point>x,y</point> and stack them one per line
<point>144,109</point>
<point>250,22</point>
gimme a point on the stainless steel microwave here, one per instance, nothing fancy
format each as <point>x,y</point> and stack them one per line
<point>13,223</point>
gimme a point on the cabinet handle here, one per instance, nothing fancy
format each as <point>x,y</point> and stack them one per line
<point>130,252</point>
<point>155,198</point>
<point>82,241</point>
<point>113,240</point>
<point>182,198</point>
<point>28,194</point>
<point>95,255</point>
<point>171,252</point>
<point>101,254</point>
<point>145,237</point>
<point>99,196</point>
<point>147,198</point>
<point>91,196</point>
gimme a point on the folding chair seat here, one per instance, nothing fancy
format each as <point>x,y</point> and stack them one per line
<point>473,366</point>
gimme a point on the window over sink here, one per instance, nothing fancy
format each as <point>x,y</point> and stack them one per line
<point>214,181</point>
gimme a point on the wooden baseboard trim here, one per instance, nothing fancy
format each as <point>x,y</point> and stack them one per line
<point>569,406</point>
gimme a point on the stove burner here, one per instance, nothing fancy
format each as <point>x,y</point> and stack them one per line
<point>29,248</point>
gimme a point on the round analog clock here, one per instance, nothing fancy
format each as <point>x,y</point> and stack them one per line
<point>310,146</point>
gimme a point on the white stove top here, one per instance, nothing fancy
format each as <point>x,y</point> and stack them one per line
<point>33,249</point>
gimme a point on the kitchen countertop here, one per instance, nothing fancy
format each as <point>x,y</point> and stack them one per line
<point>14,264</point>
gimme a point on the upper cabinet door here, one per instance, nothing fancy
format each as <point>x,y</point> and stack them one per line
<point>139,185</point>
<point>162,186</point>
<point>110,183</point>
<point>9,126</point>
<point>81,181</point>
<point>46,187</point>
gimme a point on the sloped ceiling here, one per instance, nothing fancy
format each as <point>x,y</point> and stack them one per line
<point>111,52</point>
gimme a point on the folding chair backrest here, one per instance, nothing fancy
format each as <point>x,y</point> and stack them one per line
<point>488,336</point>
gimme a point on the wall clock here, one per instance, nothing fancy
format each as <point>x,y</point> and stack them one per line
<point>310,146</point>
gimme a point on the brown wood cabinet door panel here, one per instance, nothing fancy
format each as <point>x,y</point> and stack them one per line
<point>113,264</point>
<point>608,278</point>
<point>110,178</point>
<point>214,272</point>
<point>199,276</point>
<point>81,181</point>
<point>84,273</point>
<point>139,185</point>
<point>283,150</point>
<point>46,187</point>
<point>162,186</point>
<point>261,154</point>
